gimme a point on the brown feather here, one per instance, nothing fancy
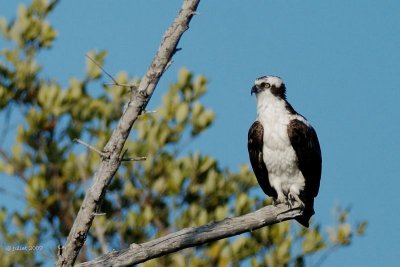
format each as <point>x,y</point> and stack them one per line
<point>255,147</point>
<point>305,143</point>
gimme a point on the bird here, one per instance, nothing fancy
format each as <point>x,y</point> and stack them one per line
<point>284,150</point>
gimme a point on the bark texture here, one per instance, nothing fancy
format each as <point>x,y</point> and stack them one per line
<point>195,236</point>
<point>112,152</point>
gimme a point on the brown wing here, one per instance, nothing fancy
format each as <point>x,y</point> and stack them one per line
<point>255,147</point>
<point>305,143</point>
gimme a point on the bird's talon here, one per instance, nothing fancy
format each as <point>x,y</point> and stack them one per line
<point>279,200</point>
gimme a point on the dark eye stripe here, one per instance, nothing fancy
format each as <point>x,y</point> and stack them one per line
<point>265,85</point>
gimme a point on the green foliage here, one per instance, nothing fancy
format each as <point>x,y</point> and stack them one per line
<point>171,190</point>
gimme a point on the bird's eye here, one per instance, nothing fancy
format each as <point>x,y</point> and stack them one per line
<point>265,85</point>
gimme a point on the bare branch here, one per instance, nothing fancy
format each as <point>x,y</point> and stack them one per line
<point>110,164</point>
<point>89,146</point>
<point>195,236</point>
<point>134,159</point>
<point>122,85</point>
<point>149,111</point>
<point>98,65</point>
<point>110,76</point>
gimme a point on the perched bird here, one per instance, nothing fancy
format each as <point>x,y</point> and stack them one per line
<point>284,149</point>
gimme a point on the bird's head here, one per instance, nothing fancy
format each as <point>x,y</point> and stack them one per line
<point>269,85</point>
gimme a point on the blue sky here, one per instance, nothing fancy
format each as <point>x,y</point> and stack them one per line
<point>341,64</point>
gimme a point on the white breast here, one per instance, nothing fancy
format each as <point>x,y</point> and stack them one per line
<point>278,153</point>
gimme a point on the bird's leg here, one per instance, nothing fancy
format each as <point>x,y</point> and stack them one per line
<point>293,197</point>
<point>280,199</point>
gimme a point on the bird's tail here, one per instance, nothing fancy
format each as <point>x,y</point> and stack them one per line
<point>308,211</point>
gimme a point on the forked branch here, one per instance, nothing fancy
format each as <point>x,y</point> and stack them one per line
<point>195,236</point>
<point>113,149</point>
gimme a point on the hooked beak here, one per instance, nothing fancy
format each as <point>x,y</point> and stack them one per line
<point>255,90</point>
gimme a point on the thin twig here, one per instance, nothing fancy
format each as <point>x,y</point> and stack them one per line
<point>122,85</point>
<point>149,111</point>
<point>98,65</point>
<point>134,159</point>
<point>110,76</point>
<point>102,154</point>
<point>168,65</point>
<point>131,159</point>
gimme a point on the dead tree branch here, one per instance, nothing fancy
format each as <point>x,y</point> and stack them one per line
<point>112,151</point>
<point>195,236</point>
<point>101,154</point>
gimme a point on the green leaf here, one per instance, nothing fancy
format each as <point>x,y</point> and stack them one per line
<point>184,77</point>
<point>361,227</point>
<point>313,241</point>
<point>182,112</point>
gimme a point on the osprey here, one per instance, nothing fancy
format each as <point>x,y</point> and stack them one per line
<point>284,149</point>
